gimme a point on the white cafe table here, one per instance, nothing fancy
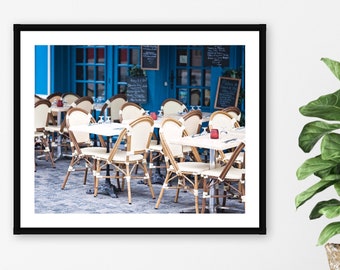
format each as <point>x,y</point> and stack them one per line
<point>105,129</point>
<point>226,141</point>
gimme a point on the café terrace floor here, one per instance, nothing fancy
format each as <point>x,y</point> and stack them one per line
<point>51,199</point>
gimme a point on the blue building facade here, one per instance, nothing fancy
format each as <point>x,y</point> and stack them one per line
<point>183,72</point>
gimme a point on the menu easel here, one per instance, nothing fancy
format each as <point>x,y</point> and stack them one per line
<point>228,90</point>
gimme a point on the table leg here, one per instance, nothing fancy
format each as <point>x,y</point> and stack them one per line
<point>212,187</point>
<point>59,154</point>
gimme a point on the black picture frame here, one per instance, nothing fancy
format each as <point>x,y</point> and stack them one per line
<point>254,38</point>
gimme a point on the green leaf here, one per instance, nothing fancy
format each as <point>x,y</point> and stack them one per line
<point>329,231</point>
<point>324,173</point>
<point>334,66</point>
<point>330,209</point>
<point>325,107</point>
<point>312,132</point>
<point>330,147</point>
<point>304,196</point>
<point>337,188</point>
<point>313,165</point>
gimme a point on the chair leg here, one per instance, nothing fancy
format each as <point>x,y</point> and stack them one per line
<point>70,168</point>
<point>205,192</point>
<point>128,181</point>
<point>147,176</point>
<point>118,181</point>
<point>165,185</point>
<point>48,151</point>
<point>96,182</point>
<point>123,181</point>
<point>180,184</point>
<point>85,176</point>
<point>196,194</point>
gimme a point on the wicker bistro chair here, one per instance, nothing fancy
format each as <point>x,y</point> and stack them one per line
<point>81,145</point>
<point>69,97</point>
<point>137,135</point>
<point>225,175</point>
<point>172,106</point>
<point>85,103</point>
<point>224,122</point>
<point>53,98</point>
<point>37,98</point>
<point>113,106</point>
<point>192,122</point>
<point>181,170</point>
<point>234,112</point>
<point>130,111</point>
<point>41,119</point>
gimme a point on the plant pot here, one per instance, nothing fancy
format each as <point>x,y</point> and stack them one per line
<point>333,254</point>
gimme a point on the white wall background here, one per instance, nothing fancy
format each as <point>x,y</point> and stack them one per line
<point>299,33</point>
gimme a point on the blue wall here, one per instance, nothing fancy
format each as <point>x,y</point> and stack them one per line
<point>41,70</point>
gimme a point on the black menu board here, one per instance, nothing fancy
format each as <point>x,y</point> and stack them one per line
<point>149,57</point>
<point>217,56</point>
<point>228,90</point>
<point>137,90</point>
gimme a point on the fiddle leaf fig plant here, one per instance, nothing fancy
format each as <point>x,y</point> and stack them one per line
<point>326,165</point>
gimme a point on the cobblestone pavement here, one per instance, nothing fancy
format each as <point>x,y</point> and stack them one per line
<point>50,198</point>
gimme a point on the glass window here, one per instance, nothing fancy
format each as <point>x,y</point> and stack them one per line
<point>192,77</point>
<point>128,57</point>
<point>90,70</point>
<point>195,77</point>
<point>182,57</point>
<point>182,77</point>
<point>196,58</point>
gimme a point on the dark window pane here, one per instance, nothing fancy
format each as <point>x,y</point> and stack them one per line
<point>122,74</point>
<point>206,97</point>
<point>90,55</point>
<point>183,95</point>
<point>79,89</point>
<point>100,73</point>
<point>207,78</point>
<point>100,90</point>
<point>182,77</point>
<point>196,58</point>
<point>80,73</point>
<point>90,73</point>
<point>100,55</point>
<point>195,97</point>
<point>182,58</point>
<point>79,55</point>
<point>90,89</point>
<point>134,57</point>
<point>195,77</point>
<point>122,56</point>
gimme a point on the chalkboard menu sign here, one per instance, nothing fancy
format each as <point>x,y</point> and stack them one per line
<point>137,90</point>
<point>216,56</point>
<point>149,57</point>
<point>228,90</point>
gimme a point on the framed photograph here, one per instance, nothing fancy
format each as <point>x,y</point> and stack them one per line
<point>183,62</point>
